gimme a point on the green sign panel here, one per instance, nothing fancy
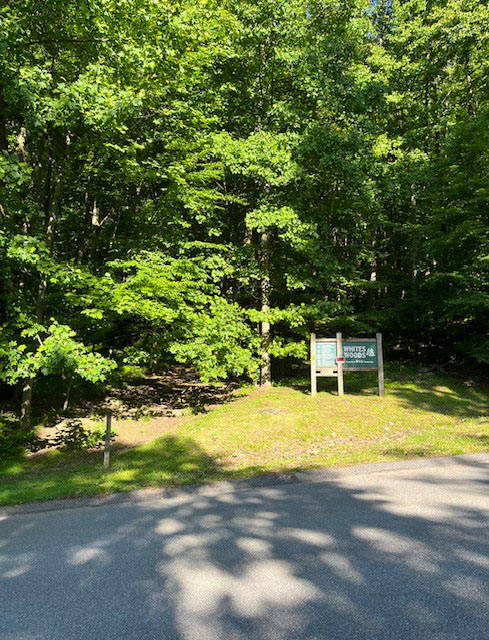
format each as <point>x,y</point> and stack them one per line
<point>359,354</point>
<point>325,354</point>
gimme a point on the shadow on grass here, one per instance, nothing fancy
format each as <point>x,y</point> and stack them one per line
<point>477,438</point>
<point>174,457</point>
<point>427,451</point>
<point>165,395</point>
<point>171,460</point>
<point>406,453</point>
<point>443,395</point>
<point>424,392</point>
<point>355,383</point>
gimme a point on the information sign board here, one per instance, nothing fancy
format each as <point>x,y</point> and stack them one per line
<point>325,354</point>
<point>360,354</point>
<point>333,356</point>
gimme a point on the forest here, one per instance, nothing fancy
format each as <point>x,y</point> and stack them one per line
<point>205,182</point>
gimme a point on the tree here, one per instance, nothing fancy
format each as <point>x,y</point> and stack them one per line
<point>433,59</point>
<point>205,182</point>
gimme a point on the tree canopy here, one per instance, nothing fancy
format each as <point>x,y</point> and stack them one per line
<point>205,182</point>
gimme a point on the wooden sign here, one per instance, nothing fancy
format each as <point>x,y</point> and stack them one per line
<point>361,355</point>
<point>332,356</point>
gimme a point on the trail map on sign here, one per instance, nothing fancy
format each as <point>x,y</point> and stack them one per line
<point>325,354</point>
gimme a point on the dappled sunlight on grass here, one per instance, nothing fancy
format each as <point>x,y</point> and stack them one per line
<point>168,460</point>
<point>280,429</point>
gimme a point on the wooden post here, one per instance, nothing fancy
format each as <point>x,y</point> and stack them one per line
<point>339,354</point>
<point>108,426</point>
<point>314,386</point>
<point>380,364</point>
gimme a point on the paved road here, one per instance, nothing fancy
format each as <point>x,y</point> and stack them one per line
<point>390,554</point>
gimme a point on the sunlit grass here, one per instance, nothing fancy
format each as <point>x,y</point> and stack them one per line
<point>281,429</point>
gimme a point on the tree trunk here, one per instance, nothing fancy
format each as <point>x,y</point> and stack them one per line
<point>28,386</point>
<point>414,272</point>
<point>26,405</point>
<point>3,124</point>
<point>66,402</point>
<point>372,293</point>
<point>51,208</point>
<point>265,374</point>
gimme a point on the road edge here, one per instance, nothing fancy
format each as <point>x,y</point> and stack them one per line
<point>261,481</point>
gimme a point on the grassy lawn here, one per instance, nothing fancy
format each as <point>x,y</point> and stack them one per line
<point>256,431</point>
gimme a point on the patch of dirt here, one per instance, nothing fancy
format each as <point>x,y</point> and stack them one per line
<point>146,409</point>
<point>172,394</point>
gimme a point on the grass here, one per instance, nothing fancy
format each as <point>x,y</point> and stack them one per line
<point>280,429</point>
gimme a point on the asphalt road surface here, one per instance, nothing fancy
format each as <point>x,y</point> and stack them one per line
<point>395,553</point>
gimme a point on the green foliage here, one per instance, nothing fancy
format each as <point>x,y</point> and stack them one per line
<point>14,442</point>
<point>56,353</point>
<point>221,343</point>
<point>73,436</point>
<point>175,175</point>
<point>176,304</point>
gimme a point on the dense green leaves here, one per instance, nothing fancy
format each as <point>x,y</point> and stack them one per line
<point>205,182</point>
<point>57,353</point>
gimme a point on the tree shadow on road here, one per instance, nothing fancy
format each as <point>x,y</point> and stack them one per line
<point>327,560</point>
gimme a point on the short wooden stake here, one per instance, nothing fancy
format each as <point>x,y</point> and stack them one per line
<point>108,426</point>
<point>380,364</point>
<point>339,354</point>
<point>314,385</point>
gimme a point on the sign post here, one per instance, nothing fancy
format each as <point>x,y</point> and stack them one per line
<point>314,386</point>
<point>107,441</point>
<point>331,357</point>
<point>339,363</point>
<point>380,364</point>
